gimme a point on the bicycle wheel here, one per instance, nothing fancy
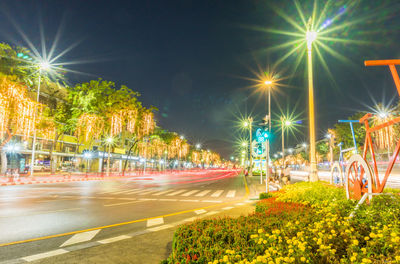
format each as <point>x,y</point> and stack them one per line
<point>336,174</point>
<point>358,178</point>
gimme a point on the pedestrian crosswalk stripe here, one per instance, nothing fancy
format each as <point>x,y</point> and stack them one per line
<point>190,193</point>
<point>148,192</point>
<point>155,221</point>
<point>120,192</point>
<point>201,194</point>
<point>163,192</point>
<point>135,191</point>
<point>231,194</point>
<point>80,237</point>
<point>217,193</point>
<point>177,192</point>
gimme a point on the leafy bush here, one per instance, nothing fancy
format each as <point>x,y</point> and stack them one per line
<point>305,223</point>
<point>265,195</point>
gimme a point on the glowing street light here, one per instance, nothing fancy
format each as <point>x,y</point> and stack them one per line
<point>285,123</point>
<point>198,146</point>
<point>44,67</point>
<point>249,124</point>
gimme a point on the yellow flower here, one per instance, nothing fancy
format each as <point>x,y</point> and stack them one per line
<point>364,250</point>
<point>353,258</point>
<point>355,242</point>
<point>365,260</point>
<point>303,259</point>
<point>366,238</point>
<point>260,231</point>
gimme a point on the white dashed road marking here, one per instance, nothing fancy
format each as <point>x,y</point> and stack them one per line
<point>158,228</point>
<point>201,211</point>
<point>231,194</point>
<point>113,239</point>
<point>45,255</point>
<point>217,193</point>
<point>201,194</point>
<point>80,237</point>
<point>155,221</point>
<point>227,208</point>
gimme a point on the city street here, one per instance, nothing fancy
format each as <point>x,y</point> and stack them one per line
<point>49,217</point>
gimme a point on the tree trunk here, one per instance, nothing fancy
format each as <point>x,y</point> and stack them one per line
<point>127,157</point>
<point>3,161</point>
<point>53,160</point>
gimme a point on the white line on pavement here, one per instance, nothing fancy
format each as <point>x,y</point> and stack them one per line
<point>175,193</point>
<point>113,239</point>
<point>217,193</point>
<point>190,193</point>
<point>163,192</point>
<point>231,194</point>
<point>227,208</point>
<point>81,237</point>
<point>155,221</point>
<point>201,211</point>
<point>45,255</point>
<point>122,203</point>
<point>195,201</point>
<point>158,228</point>
<point>239,204</point>
<point>168,200</point>
<point>148,192</point>
<point>201,194</point>
<point>211,201</point>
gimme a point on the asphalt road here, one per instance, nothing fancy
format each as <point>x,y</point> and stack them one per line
<point>49,217</point>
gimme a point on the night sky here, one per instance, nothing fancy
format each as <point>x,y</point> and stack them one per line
<point>192,59</point>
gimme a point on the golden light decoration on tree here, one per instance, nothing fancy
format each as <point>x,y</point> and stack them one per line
<point>116,124</point>
<point>90,125</point>
<point>17,109</point>
<point>131,116</point>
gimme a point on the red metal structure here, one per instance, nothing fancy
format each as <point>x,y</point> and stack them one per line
<point>360,177</point>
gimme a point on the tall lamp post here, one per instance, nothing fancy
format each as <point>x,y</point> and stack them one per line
<point>269,84</point>
<point>249,123</point>
<point>43,66</point>
<point>311,36</point>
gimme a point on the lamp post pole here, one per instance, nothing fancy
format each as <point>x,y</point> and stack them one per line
<point>310,37</point>
<point>283,141</point>
<point>267,148</point>
<point>250,146</point>
<point>34,125</point>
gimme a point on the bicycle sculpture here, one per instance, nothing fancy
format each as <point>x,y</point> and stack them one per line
<point>338,168</point>
<point>360,178</point>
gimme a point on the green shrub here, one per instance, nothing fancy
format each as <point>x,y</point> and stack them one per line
<point>305,223</point>
<point>265,195</point>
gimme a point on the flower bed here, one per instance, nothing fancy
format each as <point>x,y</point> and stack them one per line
<point>306,223</point>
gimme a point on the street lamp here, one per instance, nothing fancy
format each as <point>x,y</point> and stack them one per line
<point>311,36</point>
<point>198,146</point>
<point>249,123</point>
<point>44,66</point>
<point>269,84</point>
